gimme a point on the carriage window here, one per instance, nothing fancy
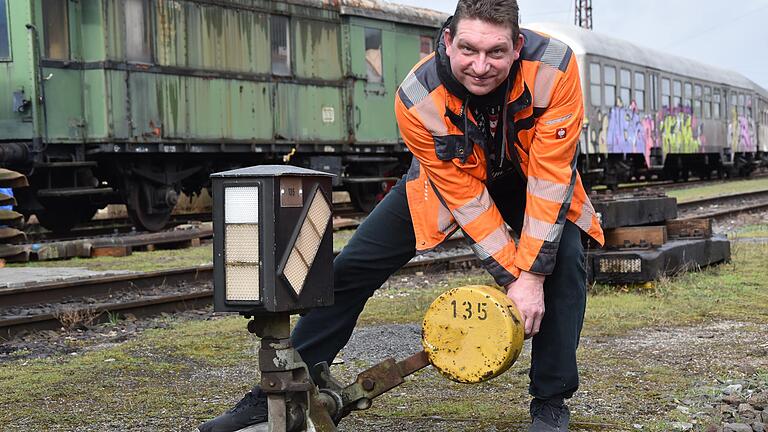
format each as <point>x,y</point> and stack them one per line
<point>425,47</point>
<point>677,92</point>
<point>280,43</point>
<point>640,90</point>
<point>137,31</point>
<point>665,93</point>
<point>5,46</point>
<point>716,104</point>
<point>610,85</point>
<point>594,84</point>
<point>688,94</point>
<point>740,104</point>
<point>56,29</point>
<point>626,87</point>
<point>654,88</point>
<point>697,100</point>
<point>373,61</point>
<point>707,102</point>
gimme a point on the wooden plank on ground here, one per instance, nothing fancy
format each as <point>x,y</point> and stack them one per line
<point>690,228</point>
<point>113,251</point>
<point>345,223</point>
<point>634,237</point>
<point>60,250</point>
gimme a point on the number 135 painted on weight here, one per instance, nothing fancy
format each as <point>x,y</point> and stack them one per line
<point>467,310</point>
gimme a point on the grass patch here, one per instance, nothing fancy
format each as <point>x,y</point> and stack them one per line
<point>750,231</point>
<point>727,291</point>
<point>723,188</point>
<point>341,238</point>
<point>137,261</point>
<point>149,376</point>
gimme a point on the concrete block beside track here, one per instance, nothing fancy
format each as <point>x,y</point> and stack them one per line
<point>15,277</point>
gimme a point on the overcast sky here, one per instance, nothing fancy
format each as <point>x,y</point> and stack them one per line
<point>728,34</point>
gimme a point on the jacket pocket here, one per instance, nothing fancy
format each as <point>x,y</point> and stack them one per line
<point>450,147</point>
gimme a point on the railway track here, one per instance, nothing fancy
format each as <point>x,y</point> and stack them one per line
<point>669,185</point>
<point>723,206</point>
<point>51,306</point>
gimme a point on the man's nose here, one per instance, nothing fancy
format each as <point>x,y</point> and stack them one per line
<point>480,66</point>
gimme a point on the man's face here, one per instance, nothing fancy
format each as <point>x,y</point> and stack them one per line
<point>481,54</point>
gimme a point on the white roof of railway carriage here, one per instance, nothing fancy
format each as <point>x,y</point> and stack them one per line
<point>589,42</point>
<point>393,12</point>
<point>382,10</point>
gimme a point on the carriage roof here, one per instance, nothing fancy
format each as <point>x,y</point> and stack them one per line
<point>586,42</point>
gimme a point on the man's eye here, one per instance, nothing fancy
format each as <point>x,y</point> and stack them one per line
<point>467,50</point>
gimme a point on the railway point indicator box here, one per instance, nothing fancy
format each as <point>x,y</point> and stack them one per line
<point>272,244</point>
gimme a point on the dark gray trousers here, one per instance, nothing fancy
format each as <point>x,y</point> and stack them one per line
<point>386,241</point>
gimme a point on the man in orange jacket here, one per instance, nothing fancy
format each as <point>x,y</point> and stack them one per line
<point>493,120</point>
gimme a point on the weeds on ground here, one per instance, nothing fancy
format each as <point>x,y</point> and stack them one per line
<point>73,318</point>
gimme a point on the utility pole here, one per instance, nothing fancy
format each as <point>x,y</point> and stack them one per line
<point>583,17</point>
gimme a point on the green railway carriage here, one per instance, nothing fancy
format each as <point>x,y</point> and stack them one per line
<point>134,101</point>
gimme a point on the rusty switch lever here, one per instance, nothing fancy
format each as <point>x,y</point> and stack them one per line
<point>369,384</point>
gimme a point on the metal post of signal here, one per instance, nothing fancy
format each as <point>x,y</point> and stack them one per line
<point>583,14</point>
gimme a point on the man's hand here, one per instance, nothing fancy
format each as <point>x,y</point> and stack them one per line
<point>527,292</point>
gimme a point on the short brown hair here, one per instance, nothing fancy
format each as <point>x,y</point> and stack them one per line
<point>500,12</point>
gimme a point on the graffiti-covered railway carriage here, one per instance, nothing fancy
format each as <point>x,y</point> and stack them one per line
<point>135,101</point>
<point>651,114</point>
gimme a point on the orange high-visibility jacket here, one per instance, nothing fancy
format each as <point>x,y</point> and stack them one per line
<point>446,181</point>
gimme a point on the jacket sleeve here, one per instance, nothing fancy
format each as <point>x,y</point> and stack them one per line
<point>465,196</point>
<point>551,172</point>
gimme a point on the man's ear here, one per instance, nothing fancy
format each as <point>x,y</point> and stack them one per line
<point>518,45</point>
<point>448,38</point>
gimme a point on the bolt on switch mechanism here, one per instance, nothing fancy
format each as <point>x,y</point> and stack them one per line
<point>273,258</point>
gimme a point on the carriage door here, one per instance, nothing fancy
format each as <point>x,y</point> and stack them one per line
<point>762,127</point>
<point>372,52</point>
<point>19,118</point>
<point>62,85</point>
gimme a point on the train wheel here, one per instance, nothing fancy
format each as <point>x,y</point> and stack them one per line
<point>365,196</point>
<point>143,209</point>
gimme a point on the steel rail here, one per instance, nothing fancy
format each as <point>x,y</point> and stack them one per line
<point>101,286</point>
<point>688,205</point>
<point>9,327</point>
<point>727,212</point>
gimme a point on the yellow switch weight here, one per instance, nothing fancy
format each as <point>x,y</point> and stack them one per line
<point>472,333</point>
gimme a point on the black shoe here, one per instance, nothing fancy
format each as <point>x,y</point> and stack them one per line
<point>251,409</point>
<point>549,415</point>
